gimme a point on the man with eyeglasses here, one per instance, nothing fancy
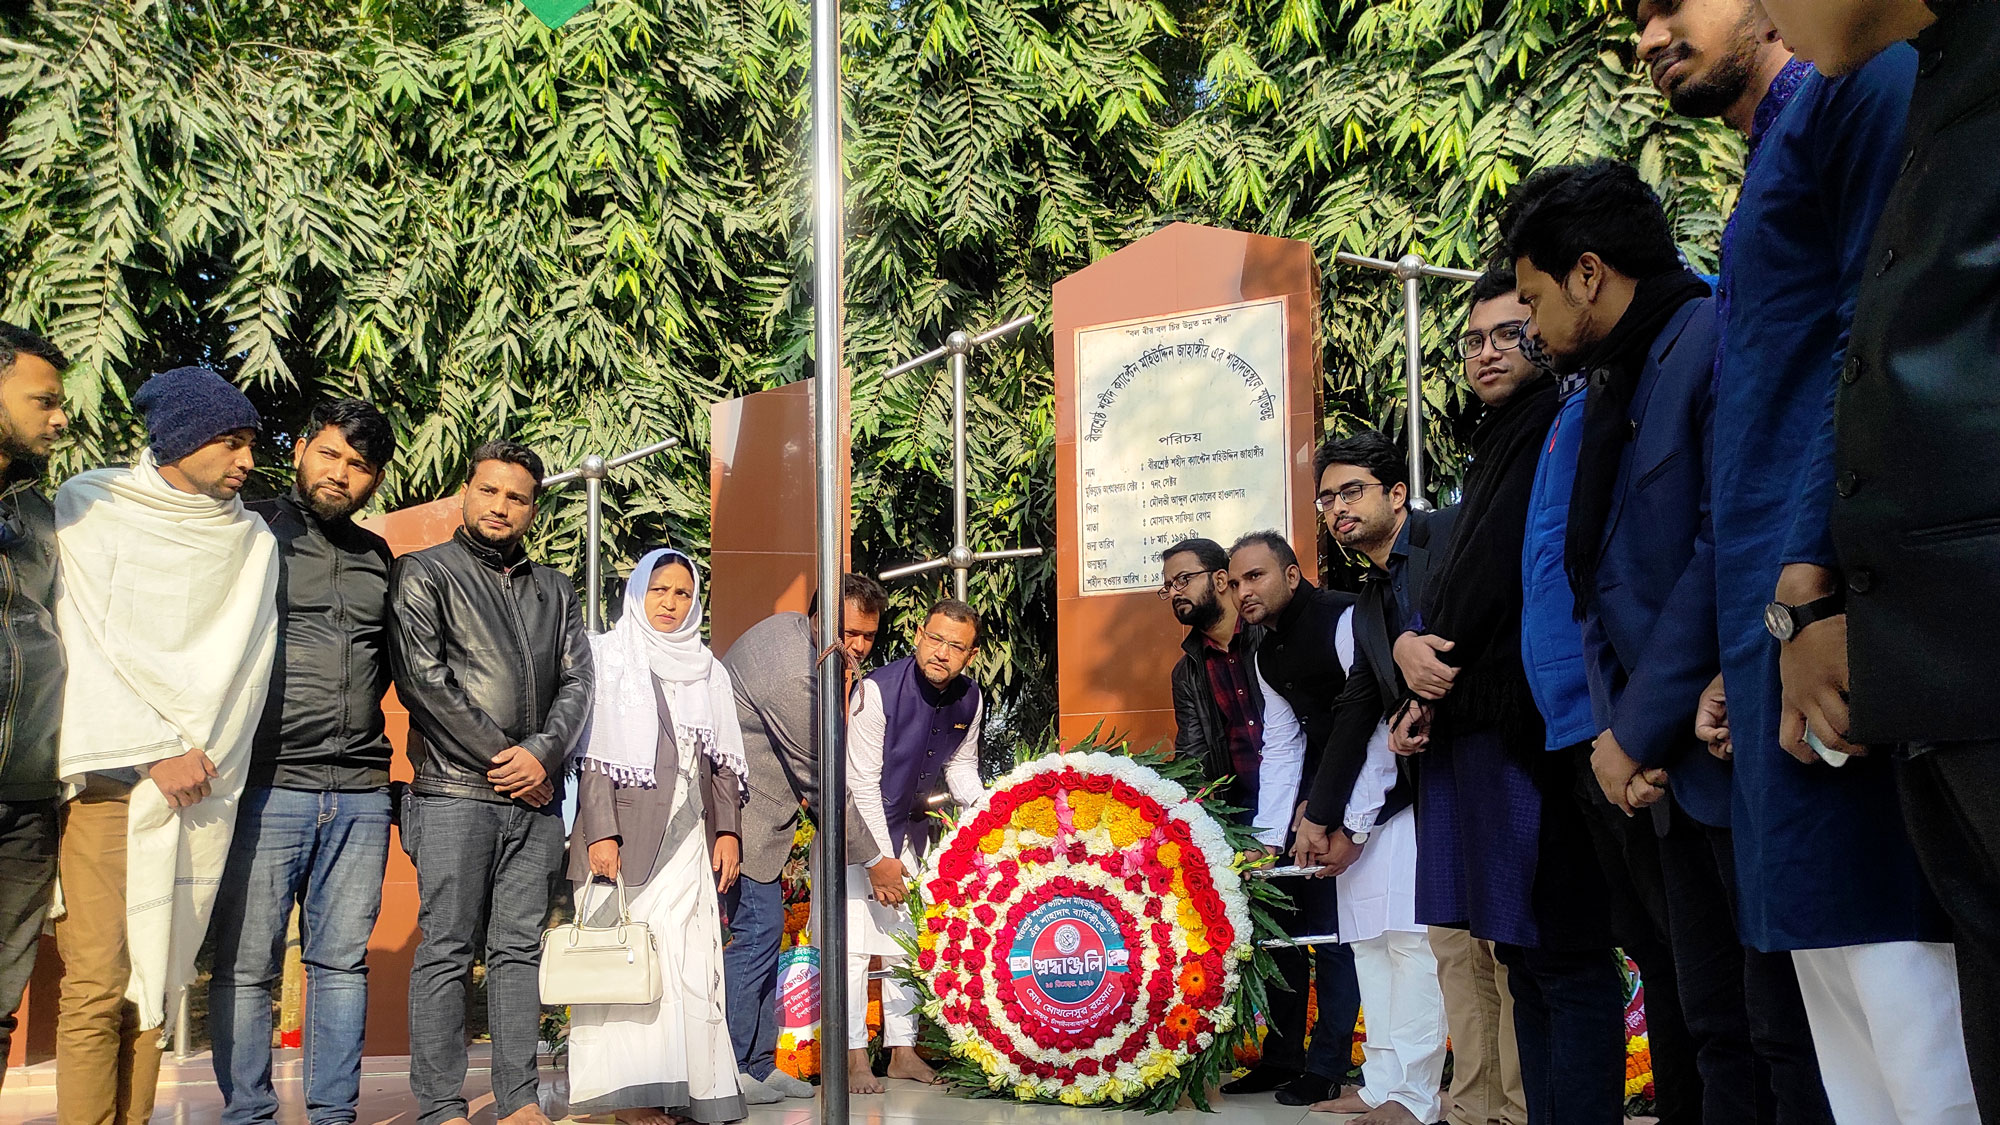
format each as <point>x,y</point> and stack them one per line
<point>31,660</point>
<point>773,670</point>
<point>1357,796</point>
<point>913,732</point>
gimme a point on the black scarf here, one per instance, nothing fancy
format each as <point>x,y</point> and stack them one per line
<point>1474,595</point>
<point>1615,365</point>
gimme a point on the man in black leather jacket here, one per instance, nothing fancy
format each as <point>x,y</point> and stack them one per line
<point>1195,582</point>
<point>31,658</point>
<point>312,827</point>
<point>491,659</point>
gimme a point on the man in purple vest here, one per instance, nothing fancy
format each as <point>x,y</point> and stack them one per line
<point>913,732</point>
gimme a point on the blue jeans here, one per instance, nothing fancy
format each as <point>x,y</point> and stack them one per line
<point>485,873</point>
<point>756,915</point>
<point>327,851</point>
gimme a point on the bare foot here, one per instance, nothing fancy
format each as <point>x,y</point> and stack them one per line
<point>648,1116</point>
<point>1388,1113</point>
<point>530,1114</point>
<point>905,1063</point>
<point>861,1074</point>
<point>1349,1102</point>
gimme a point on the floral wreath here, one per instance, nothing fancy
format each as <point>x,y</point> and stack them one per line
<point>1086,937</point>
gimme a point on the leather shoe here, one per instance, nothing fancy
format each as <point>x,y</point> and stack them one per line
<point>1261,1080</point>
<point>1307,1089</point>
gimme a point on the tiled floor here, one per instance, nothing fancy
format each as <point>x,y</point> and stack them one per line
<point>188,1096</point>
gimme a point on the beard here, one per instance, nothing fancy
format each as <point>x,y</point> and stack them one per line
<point>17,450</point>
<point>1199,616</point>
<point>327,509</point>
<point>1711,94</point>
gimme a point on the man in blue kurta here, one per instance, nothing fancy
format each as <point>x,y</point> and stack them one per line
<point>913,733</point>
<point>1825,867</point>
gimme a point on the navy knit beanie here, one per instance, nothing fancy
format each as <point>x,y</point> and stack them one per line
<point>188,407</point>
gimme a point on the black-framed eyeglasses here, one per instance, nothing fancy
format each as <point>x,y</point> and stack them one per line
<point>1350,495</point>
<point>1180,582</point>
<point>1505,337</point>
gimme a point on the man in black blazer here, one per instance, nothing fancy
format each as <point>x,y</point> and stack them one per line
<point>1640,559</point>
<point>1364,499</point>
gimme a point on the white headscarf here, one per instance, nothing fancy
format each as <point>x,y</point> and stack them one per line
<point>623,739</point>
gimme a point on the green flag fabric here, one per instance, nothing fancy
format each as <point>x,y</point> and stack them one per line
<point>555,13</point>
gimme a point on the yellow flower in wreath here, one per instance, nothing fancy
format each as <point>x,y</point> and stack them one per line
<point>1038,815</point>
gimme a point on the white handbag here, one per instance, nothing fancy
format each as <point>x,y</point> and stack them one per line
<point>616,964</point>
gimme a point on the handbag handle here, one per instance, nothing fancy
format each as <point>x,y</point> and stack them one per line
<point>583,906</point>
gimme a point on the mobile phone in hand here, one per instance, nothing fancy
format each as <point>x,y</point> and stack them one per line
<point>1827,754</point>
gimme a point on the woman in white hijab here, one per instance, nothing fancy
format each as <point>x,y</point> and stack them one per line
<point>658,802</point>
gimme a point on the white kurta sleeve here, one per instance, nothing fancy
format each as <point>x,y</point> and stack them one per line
<point>961,774</point>
<point>1279,768</point>
<point>867,732</point>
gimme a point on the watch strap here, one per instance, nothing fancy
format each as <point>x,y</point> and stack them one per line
<point>1819,609</point>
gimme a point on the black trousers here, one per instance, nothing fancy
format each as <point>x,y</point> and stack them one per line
<point>1312,913</point>
<point>1742,1007</point>
<point>1628,849</point>
<point>1951,802</point>
<point>27,875</point>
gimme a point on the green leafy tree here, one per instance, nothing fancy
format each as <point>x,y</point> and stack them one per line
<point>582,238</point>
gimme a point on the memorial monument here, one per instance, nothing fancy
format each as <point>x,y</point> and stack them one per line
<point>1187,384</point>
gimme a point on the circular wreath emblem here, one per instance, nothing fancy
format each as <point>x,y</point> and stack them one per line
<point>1082,936</point>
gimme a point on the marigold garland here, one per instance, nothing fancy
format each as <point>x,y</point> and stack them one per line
<point>1084,936</point>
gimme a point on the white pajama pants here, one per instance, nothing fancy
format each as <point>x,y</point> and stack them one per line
<point>1885,1021</point>
<point>899,1005</point>
<point>1403,1057</point>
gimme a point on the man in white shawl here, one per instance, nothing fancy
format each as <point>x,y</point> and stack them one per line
<point>659,807</point>
<point>168,616</point>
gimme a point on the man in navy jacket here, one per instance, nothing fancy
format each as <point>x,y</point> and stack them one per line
<point>1639,554</point>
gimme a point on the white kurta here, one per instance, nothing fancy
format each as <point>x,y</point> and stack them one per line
<point>1279,768</point>
<point>871,927</point>
<point>1378,893</point>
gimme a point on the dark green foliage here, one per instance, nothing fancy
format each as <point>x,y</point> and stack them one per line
<point>581,238</point>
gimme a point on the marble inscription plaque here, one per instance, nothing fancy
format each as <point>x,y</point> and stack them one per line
<point>1180,432</point>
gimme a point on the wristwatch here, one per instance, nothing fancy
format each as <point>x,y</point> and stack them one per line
<point>1360,837</point>
<point>1785,621</point>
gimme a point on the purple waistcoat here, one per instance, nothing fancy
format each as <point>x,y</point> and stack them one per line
<point>924,727</point>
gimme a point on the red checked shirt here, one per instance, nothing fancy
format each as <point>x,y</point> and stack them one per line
<point>1229,678</point>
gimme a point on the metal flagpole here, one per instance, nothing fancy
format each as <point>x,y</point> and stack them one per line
<point>830,447</point>
<point>1411,269</point>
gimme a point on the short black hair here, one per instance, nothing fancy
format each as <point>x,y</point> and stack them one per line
<point>1208,551</point>
<point>859,589</point>
<point>16,341</point>
<point>1497,281</point>
<point>512,452</point>
<point>1364,449</point>
<point>954,610</point>
<point>361,426</point>
<point>1559,213</point>
<point>1271,539</point>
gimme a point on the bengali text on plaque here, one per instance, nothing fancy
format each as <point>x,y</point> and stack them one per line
<point>1180,433</point>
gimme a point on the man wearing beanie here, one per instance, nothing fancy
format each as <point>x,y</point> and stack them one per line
<point>168,624</point>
